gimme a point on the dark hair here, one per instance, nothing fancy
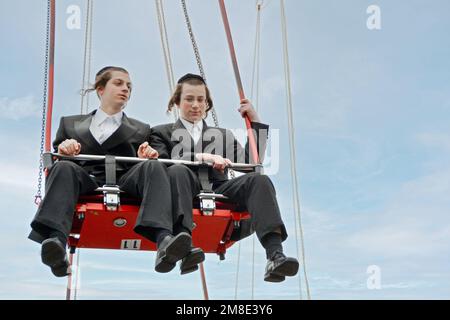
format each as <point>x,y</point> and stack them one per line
<point>176,96</point>
<point>103,76</point>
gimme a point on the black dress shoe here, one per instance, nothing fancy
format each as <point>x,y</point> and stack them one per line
<point>53,254</point>
<point>172,249</point>
<point>279,266</point>
<point>190,262</point>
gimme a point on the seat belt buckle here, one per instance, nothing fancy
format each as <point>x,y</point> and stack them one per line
<point>207,203</point>
<point>111,197</point>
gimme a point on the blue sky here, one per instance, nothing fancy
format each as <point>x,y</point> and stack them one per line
<point>371,110</point>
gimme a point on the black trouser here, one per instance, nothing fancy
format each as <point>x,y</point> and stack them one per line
<point>66,181</point>
<point>253,191</point>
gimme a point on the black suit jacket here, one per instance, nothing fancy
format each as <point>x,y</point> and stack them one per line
<point>173,141</point>
<point>125,141</point>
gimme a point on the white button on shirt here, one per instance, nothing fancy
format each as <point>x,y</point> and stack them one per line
<point>104,125</point>
<point>194,129</point>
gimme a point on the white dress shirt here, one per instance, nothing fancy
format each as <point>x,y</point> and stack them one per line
<point>194,129</point>
<point>103,125</point>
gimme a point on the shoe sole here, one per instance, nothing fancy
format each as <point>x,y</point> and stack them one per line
<point>176,250</point>
<point>288,268</point>
<point>186,271</point>
<point>54,256</point>
<point>274,278</point>
<point>62,271</point>
<point>190,262</point>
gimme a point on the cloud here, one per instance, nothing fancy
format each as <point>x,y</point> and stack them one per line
<point>400,240</point>
<point>435,140</point>
<point>407,285</point>
<point>18,176</point>
<point>18,108</point>
<point>414,223</point>
<point>407,236</point>
<point>115,268</point>
<point>272,87</point>
<point>325,282</point>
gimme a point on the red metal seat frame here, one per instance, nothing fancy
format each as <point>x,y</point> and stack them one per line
<point>94,226</point>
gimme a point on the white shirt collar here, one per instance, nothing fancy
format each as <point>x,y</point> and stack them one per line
<point>190,126</point>
<point>100,116</point>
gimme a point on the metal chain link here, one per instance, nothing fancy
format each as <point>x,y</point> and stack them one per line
<point>200,67</point>
<point>197,54</point>
<point>38,196</point>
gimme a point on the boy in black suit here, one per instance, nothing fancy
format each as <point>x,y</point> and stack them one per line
<point>107,131</point>
<point>191,139</point>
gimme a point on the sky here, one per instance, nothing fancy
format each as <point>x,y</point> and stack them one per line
<point>371,113</point>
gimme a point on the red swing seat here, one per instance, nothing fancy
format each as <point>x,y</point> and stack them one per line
<point>98,228</point>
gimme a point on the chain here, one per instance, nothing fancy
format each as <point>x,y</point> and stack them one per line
<point>200,67</point>
<point>197,55</point>
<point>38,197</point>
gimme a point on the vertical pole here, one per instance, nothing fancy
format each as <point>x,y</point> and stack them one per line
<point>205,288</point>
<point>48,129</point>
<point>251,137</point>
<point>69,277</point>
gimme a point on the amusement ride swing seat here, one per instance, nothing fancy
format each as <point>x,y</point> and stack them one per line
<point>105,219</point>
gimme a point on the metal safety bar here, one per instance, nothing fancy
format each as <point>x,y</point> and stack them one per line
<point>48,161</point>
<point>112,192</point>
